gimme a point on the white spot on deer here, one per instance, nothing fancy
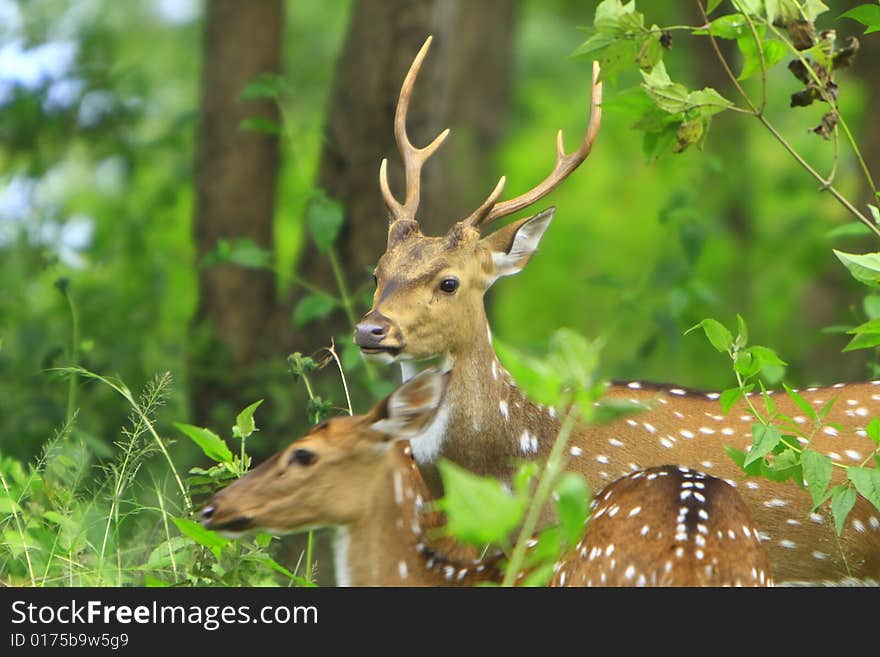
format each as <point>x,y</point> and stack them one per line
<point>686,434</point>
<point>746,531</point>
<point>794,522</point>
<point>603,459</point>
<point>812,389</point>
<point>830,431</point>
<point>635,511</point>
<point>700,497</point>
<point>775,503</point>
<point>699,554</point>
<point>713,396</point>
<point>551,412</point>
<point>680,416</point>
<point>632,423</point>
<point>645,530</point>
<point>703,514</point>
<point>635,385</point>
<point>835,456</point>
<point>731,534</point>
<point>685,494</point>
<point>494,370</point>
<point>818,518</point>
<point>398,488</point>
<point>679,552</point>
<point>700,540</point>
<point>861,433</point>
<point>874,522</point>
<point>576,451</point>
<point>614,442</point>
<point>787,544</point>
<point>853,454</point>
<point>650,477</point>
<point>611,513</point>
<point>630,572</point>
<point>819,556</point>
<point>818,402</point>
<point>859,526</point>
<point>763,536</point>
<point>402,569</point>
<point>800,419</point>
<point>728,431</point>
<point>852,402</point>
<point>528,443</point>
<point>745,418</point>
<point>706,464</point>
<point>668,444</point>
<point>502,406</point>
<point>707,431</point>
<point>677,391</point>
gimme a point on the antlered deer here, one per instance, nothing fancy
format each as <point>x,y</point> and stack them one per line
<point>357,474</point>
<point>428,303</point>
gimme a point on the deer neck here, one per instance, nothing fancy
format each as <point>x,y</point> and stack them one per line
<point>486,423</point>
<point>386,545</point>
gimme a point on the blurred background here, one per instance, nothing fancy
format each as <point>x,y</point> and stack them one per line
<point>165,164</point>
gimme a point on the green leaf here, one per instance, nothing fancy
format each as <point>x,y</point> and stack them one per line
<point>801,403</point>
<point>712,5</point>
<point>771,8</point>
<point>667,95</point>
<point>538,576</point>
<point>205,537</point>
<point>260,124</point>
<point>875,213</point>
<point>827,408</point>
<point>325,217</point>
<point>478,509</point>
<point>209,442</point>
<point>742,335</point>
<point>242,252</point>
<point>244,422</point>
<point>864,268</point>
<point>764,439</point>
<point>843,498</point>
<point>572,506</point>
<point>867,482</point>
<point>867,15</point>
<point>729,397</point>
<point>312,307</point>
<point>813,9</point>
<point>871,305</point>
<point>850,229</point>
<point>9,506</point>
<point>614,17</point>
<point>730,26</point>
<point>745,364</point>
<point>765,356</point>
<point>817,472</point>
<point>873,430</point>
<point>739,457</point>
<point>265,85</point>
<point>863,341</point>
<point>718,335</point>
<point>595,44</point>
<point>774,52</point>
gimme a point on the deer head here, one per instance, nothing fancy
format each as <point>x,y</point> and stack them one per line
<point>329,476</point>
<point>429,290</point>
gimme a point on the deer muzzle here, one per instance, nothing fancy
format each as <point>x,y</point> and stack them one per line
<point>376,334</point>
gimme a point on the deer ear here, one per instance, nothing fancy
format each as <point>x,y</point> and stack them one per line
<point>513,246</point>
<point>412,407</point>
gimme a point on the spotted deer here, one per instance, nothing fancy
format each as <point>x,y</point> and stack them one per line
<point>428,304</point>
<point>357,475</point>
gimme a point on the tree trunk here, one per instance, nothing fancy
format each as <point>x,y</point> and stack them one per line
<point>235,195</point>
<point>464,84</point>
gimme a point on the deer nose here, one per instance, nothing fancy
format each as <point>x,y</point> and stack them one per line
<point>207,512</point>
<point>372,330</point>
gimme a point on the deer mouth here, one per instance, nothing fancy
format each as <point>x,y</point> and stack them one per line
<point>231,527</point>
<point>394,352</point>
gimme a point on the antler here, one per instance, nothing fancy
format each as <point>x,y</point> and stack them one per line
<point>565,164</point>
<point>413,158</point>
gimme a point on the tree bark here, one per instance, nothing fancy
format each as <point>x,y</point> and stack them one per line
<point>235,194</point>
<point>464,84</point>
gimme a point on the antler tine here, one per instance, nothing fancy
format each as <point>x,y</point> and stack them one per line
<point>413,158</point>
<point>478,216</point>
<point>565,164</point>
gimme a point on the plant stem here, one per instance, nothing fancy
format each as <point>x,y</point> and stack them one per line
<point>74,356</point>
<point>549,474</point>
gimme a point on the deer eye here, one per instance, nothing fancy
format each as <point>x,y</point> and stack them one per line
<point>303,457</point>
<point>449,285</point>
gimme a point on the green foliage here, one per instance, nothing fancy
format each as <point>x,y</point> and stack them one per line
<point>780,447</point>
<point>867,14</point>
